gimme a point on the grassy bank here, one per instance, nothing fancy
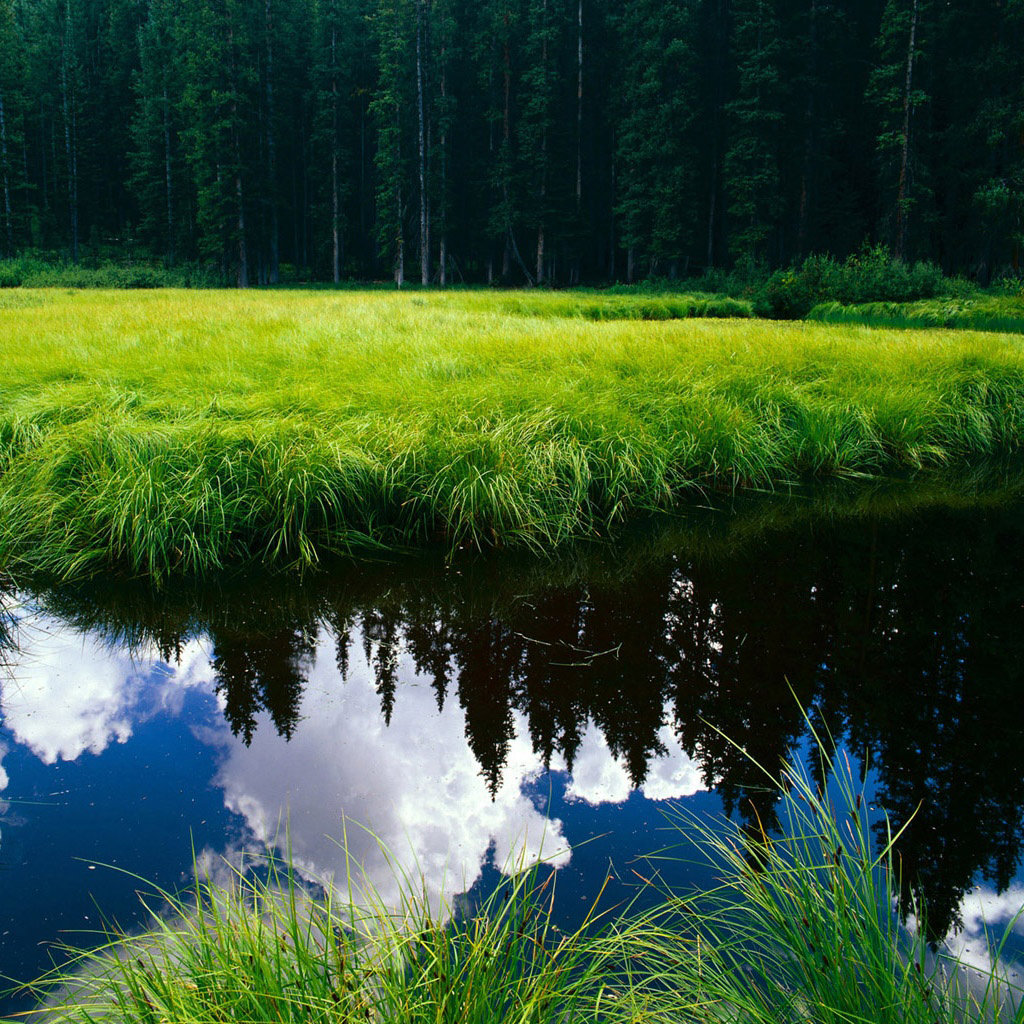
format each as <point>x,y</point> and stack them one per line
<point>162,432</point>
<point>799,927</point>
<point>977,313</point>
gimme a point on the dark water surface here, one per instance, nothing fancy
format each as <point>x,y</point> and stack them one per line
<point>478,713</point>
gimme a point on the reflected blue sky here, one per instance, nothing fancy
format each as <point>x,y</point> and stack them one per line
<point>115,763</point>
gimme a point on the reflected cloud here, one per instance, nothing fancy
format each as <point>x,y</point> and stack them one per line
<point>987,917</point>
<point>598,777</point>
<point>70,694</point>
<point>414,788</point>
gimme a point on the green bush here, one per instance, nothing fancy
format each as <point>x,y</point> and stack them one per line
<point>873,275</point>
<point>33,272</point>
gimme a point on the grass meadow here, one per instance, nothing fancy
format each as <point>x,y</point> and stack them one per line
<point>161,432</point>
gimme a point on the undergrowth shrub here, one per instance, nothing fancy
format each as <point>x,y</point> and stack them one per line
<point>873,275</point>
<point>32,272</point>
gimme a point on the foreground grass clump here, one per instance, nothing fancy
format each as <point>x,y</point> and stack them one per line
<point>975,313</point>
<point>264,950</point>
<point>802,926</point>
<point>178,432</point>
<point>799,928</point>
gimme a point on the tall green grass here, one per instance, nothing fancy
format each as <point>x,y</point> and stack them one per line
<point>180,432</point>
<point>800,927</point>
<point>803,925</point>
<point>616,306</point>
<point>1004,313</point>
<point>262,947</point>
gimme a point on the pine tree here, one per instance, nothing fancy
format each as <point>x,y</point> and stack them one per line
<point>11,139</point>
<point>896,88</point>
<point>755,118</point>
<point>655,144</point>
<point>157,173</point>
<point>390,107</point>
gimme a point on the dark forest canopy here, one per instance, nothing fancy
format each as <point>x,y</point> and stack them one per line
<point>516,141</point>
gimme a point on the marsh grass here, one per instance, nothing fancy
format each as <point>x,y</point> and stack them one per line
<point>981,312</point>
<point>800,926</point>
<point>261,946</point>
<point>803,924</point>
<point>181,432</point>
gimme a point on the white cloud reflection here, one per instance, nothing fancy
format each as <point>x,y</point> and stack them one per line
<point>414,787</point>
<point>598,777</point>
<point>988,917</point>
<point>70,694</point>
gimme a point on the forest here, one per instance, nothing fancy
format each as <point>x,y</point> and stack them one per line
<point>557,142</point>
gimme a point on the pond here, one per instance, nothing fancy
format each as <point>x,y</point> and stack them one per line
<point>470,714</point>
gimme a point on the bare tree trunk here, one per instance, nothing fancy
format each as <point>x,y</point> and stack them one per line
<point>7,181</point>
<point>274,275</point>
<point>42,153</point>
<point>576,271</point>
<point>543,150</point>
<point>400,248</point>
<point>443,248</point>
<point>805,176</point>
<point>70,136</point>
<point>167,179</point>
<point>712,212</point>
<point>400,233</point>
<point>243,254</point>
<point>903,192</point>
<point>335,237</point>
<point>424,238</point>
<point>579,105</point>
<point>612,270</point>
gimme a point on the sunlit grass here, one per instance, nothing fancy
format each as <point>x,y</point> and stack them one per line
<point>264,946</point>
<point>178,431</point>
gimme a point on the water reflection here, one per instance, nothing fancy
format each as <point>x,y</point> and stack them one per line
<point>424,700</point>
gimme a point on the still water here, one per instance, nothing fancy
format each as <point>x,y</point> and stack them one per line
<point>475,714</point>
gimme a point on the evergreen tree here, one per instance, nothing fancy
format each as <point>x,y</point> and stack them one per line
<point>390,107</point>
<point>12,185</point>
<point>656,146</point>
<point>897,89</point>
<point>752,176</point>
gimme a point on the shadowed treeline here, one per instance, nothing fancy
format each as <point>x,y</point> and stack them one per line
<point>902,633</point>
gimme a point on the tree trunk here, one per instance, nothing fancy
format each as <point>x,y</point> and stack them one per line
<point>274,274</point>
<point>543,196</point>
<point>399,233</point>
<point>70,137</point>
<point>335,238</point>
<point>903,192</point>
<point>424,238</point>
<point>579,106</point>
<point>443,248</point>
<point>808,162</point>
<point>9,229</point>
<point>167,178</point>
<point>243,254</point>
